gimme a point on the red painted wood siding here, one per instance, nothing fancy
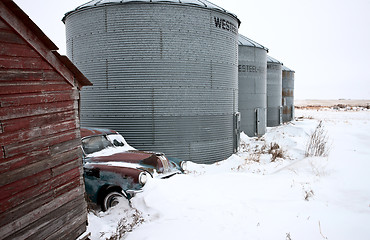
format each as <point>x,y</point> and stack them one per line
<point>41,185</point>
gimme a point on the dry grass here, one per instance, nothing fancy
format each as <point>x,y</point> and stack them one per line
<point>127,224</point>
<point>275,151</point>
<point>318,142</point>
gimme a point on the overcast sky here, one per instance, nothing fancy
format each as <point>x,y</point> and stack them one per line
<point>327,42</point>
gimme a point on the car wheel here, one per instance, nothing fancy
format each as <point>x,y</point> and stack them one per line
<point>113,198</point>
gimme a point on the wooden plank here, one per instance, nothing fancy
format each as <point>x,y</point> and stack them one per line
<point>23,63</point>
<point>38,201</point>
<point>8,36</point>
<point>18,26</point>
<point>29,75</point>
<point>19,211</point>
<point>15,187</point>
<point>67,214</point>
<point>37,109</point>
<point>34,144</point>
<point>3,25</point>
<point>39,166</point>
<point>65,146</point>
<point>38,98</point>
<point>28,158</point>
<point>31,87</point>
<point>37,132</point>
<point>69,186</point>
<point>58,170</point>
<point>17,50</point>
<point>69,232</point>
<point>37,190</point>
<point>45,209</point>
<point>25,123</point>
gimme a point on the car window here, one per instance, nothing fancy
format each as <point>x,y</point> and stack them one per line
<point>117,140</point>
<point>95,144</point>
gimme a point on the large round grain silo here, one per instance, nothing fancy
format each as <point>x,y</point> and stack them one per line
<point>274,92</point>
<point>165,73</point>
<point>288,94</point>
<point>252,86</point>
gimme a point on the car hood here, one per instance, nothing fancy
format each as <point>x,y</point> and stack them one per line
<point>128,157</point>
<point>132,159</point>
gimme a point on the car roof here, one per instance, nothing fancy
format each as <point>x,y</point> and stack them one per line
<point>91,131</point>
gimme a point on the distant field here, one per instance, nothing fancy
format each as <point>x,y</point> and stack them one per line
<point>331,103</point>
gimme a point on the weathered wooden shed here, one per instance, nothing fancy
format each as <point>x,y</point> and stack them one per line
<point>41,184</point>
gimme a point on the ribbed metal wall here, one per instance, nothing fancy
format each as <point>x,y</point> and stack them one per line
<point>165,76</point>
<point>252,86</point>
<point>288,94</point>
<point>274,92</point>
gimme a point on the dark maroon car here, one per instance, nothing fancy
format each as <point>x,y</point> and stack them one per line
<point>113,170</point>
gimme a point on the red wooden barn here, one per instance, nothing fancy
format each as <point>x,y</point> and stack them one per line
<point>41,184</point>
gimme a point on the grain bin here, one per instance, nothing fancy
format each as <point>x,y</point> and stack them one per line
<point>288,94</point>
<point>165,74</point>
<point>274,92</point>
<point>252,86</point>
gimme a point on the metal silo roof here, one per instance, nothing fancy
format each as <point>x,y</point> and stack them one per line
<point>198,3</point>
<point>273,60</point>
<point>244,41</point>
<point>284,68</point>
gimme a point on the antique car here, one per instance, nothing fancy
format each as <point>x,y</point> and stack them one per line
<point>114,171</point>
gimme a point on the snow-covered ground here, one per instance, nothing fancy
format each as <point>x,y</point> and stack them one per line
<point>249,197</point>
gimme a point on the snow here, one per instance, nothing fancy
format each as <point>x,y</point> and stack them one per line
<point>249,197</point>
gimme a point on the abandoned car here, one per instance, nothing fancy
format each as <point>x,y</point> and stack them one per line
<point>114,171</point>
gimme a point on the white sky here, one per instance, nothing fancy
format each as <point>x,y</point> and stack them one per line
<point>327,42</point>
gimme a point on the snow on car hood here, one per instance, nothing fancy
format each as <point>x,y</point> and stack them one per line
<point>111,151</point>
<point>115,164</point>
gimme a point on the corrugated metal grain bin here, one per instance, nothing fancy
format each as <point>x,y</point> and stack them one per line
<point>288,94</point>
<point>165,74</point>
<point>252,86</point>
<point>274,92</point>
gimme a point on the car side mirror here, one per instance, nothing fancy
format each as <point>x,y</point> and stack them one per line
<point>92,172</point>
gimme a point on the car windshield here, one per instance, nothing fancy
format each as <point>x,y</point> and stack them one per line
<point>95,144</point>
